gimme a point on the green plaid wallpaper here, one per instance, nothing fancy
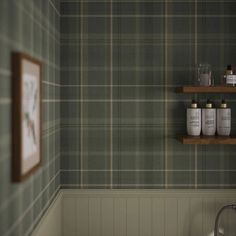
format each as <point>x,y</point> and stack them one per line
<point>32,27</point>
<point>120,64</point>
<point>110,114</point>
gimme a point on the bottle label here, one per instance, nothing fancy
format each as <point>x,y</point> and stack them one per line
<point>193,121</point>
<point>209,121</point>
<point>230,79</point>
<point>223,121</point>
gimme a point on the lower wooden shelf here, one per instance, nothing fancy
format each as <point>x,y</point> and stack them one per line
<point>186,139</point>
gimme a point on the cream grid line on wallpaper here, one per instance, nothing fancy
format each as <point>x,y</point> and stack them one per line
<point>81,92</point>
<point>111,95</point>
<point>165,94</point>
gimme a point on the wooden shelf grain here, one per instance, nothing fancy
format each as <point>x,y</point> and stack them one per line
<point>202,89</point>
<point>186,139</point>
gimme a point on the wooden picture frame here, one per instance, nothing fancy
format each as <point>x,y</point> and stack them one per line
<point>26,115</point>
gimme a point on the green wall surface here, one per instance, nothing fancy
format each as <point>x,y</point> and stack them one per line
<point>32,27</point>
<point>120,64</point>
<point>110,113</point>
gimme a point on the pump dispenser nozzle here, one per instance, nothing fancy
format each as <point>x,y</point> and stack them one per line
<point>208,103</point>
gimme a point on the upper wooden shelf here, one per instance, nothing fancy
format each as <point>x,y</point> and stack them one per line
<point>202,89</point>
<point>186,139</point>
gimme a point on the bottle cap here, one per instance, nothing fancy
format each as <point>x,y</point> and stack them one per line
<point>229,70</point>
<point>209,104</point>
<point>194,104</point>
<point>223,104</point>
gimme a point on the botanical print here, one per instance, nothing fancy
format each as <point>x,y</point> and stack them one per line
<point>30,111</point>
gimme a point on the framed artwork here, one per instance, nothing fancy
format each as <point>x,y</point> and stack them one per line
<point>27,112</point>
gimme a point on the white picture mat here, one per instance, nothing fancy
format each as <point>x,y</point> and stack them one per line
<point>30,115</point>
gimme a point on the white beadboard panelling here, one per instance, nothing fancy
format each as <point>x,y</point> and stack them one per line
<point>82,223</point>
<point>209,207</point>
<point>107,208</point>
<point>183,216</point>
<point>50,224</point>
<point>171,217</point>
<point>139,213</point>
<point>132,217</point>
<point>196,216</point>
<point>120,216</point>
<point>148,212</point>
<point>220,203</point>
<point>158,216</point>
<point>69,216</point>
<point>231,217</point>
<point>145,216</point>
<point>94,216</point>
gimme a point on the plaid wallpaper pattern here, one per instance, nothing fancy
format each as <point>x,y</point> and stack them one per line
<point>120,63</point>
<point>32,27</point>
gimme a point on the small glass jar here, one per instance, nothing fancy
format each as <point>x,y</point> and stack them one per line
<point>204,75</point>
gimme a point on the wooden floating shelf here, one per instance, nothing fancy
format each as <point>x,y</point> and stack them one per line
<point>186,139</point>
<point>202,89</point>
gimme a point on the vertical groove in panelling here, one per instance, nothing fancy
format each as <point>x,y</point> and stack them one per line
<point>171,217</point>
<point>158,216</point>
<point>138,216</point>
<point>220,202</point>
<point>183,217</point>
<point>82,220</point>
<point>100,221</point>
<point>69,216</point>
<point>107,213</point>
<point>177,216</point>
<point>132,216</point>
<point>76,217</point>
<point>94,216</point>
<point>113,216</point>
<point>145,217</point>
<point>164,217</point>
<point>196,216</point>
<point>151,199</point>
<point>208,216</point>
<point>120,216</point>
<point>126,218</point>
